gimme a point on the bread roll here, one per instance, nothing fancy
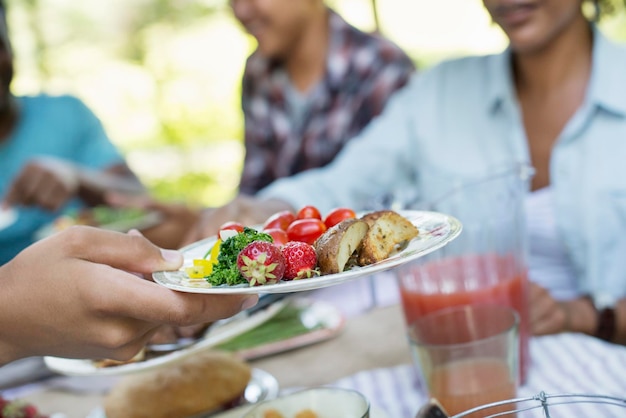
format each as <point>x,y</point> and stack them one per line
<point>199,383</point>
<point>387,231</point>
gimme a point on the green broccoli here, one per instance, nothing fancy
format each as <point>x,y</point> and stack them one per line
<point>226,271</point>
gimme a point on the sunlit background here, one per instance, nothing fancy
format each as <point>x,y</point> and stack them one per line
<point>164,75</point>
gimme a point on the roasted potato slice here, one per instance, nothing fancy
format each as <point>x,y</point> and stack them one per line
<point>388,230</point>
<point>335,247</point>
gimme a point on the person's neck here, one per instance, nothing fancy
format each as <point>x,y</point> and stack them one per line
<point>8,119</point>
<point>306,64</point>
<point>565,59</point>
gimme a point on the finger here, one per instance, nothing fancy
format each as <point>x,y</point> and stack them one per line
<point>129,252</point>
<point>144,300</point>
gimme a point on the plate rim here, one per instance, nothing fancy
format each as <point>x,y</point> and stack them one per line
<point>454,229</point>
<point>85,367</point>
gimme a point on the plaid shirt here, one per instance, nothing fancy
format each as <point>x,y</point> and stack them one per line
<point>362,72</point>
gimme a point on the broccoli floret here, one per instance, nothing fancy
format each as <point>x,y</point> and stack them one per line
<point>226,271</point>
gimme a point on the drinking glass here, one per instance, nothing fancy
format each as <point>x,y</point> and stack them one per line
<point>486,263</point>
<point>468,356</point>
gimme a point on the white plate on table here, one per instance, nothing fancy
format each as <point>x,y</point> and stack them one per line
<point>323,321</point>
<point>217,334</point>
<point>435,231</point>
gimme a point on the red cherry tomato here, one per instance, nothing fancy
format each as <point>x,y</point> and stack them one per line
<point>280,220</point>
<point>235,226</point>
<point>337,215</point>
<point>306,230</point>
<point>279,235</point>
<point>309,212</point>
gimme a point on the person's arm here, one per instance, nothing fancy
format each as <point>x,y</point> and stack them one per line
<point>75,295</point>
<point>50,182</point>
<point>549,316</point>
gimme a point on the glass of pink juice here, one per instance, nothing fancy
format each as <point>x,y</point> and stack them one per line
<point>468,356</point>
<point>486,264</point>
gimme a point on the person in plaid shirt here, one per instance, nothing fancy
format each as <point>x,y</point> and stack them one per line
<point>312,84</point>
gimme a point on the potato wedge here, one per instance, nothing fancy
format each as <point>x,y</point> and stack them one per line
<point>387,231</point>
<point>335,247</point>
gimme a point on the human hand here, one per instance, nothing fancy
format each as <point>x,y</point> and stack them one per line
<point>177,218</point>
<point>73,295</point>
<point>549,316</point>
<point>46,182</point>
<point>244,209</point>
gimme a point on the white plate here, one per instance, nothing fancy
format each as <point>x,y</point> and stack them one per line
<point>435,231</point>
<point>324,321</point>
<point>7,217</point>
<point>224,331</point>
<point>262,386</point>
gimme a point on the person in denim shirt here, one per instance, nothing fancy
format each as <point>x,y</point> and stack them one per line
<point>555,98</point>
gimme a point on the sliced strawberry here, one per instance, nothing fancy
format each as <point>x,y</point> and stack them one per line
<point>300,260</point>
<point>261,263</point>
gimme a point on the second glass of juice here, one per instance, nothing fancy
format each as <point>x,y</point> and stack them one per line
<point>486,264</point>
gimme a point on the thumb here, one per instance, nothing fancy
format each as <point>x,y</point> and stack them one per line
<point>129,252</point>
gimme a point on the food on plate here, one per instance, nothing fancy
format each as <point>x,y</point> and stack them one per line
<point>335,247</point>
<point>388,231</point>
<point>300,260</point>
<point>320,250</point>
<point>18,409</point>
<point>305,413</point>
<point>100,363</point>
<point>206,381</point>
<point>260,263</point>
<point>306,230</point>
<point>337,215</point>
<point>280,220</point>
<point>309,211</point>
<point>225,271</point>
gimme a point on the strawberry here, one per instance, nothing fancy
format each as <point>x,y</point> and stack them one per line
<point>300,260</point>
<point>261,263</point>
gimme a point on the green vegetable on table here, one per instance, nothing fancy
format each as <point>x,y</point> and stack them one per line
<point>226,271</point>
<point>286,324</point>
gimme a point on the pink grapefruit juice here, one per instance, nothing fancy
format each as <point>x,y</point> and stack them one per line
<point>466,384</point>
<point>493,279</point>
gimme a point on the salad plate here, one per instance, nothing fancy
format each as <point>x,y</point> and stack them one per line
<point>301,322</point>
<point>435,231</point>
<point>220,332</point>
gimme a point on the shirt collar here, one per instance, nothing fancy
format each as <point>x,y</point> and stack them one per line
<point>607,88</point>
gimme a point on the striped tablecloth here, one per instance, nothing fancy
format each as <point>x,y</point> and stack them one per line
<point>564,363</point>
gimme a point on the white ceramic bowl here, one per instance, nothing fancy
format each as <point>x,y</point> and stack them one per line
<point>325,402</point>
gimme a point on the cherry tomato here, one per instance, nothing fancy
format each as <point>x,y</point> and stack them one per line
<point>235,226</point>
<point>279,235</point>
<point>280,220</point>
<point>306,230</point>
<point>309,211</point>
<point>337,215</point>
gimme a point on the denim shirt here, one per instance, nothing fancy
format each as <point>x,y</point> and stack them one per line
<point>459,120</point>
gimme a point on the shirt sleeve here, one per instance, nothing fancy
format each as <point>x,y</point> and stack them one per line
<point>368,166</point>
<point>94,148</point>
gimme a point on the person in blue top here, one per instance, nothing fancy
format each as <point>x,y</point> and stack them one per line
<point>54,155</point>
<point>555,98</point>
